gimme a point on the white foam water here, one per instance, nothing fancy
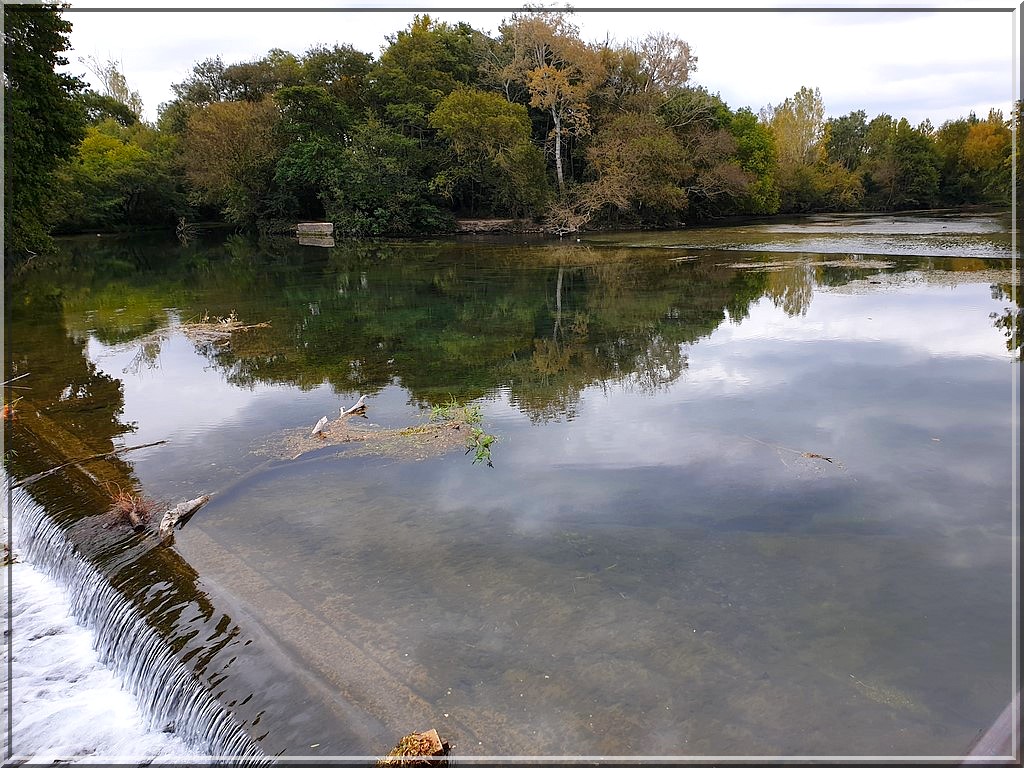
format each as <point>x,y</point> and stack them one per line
<point>91,681</point>
<point>64,703</point>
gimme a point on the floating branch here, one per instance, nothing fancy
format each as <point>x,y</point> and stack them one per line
<point>780,449</point>
<point>177,516</point>
<point>79,462</point>
<point>318,430</point>
<point>359,407</point>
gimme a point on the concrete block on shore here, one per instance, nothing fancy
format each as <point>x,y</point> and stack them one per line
<point>314,228</point>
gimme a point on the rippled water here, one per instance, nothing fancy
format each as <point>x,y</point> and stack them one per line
<point>751,491</point>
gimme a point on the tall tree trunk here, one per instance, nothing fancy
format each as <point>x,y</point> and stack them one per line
<point>558,151</point>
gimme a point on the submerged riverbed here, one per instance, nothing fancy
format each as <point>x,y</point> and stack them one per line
<point>750,495</point>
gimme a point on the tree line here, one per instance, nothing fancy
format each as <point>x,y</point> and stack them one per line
<point>532,122</point>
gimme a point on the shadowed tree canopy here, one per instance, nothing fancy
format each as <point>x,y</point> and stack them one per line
<point>340,70</point>
<point>257,80</point>
<point>43,122</point>
<point>98,107</point>
<point>230,152</point>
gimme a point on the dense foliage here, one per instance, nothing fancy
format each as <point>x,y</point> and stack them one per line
<point>42,121</point>
<point>447,122</point>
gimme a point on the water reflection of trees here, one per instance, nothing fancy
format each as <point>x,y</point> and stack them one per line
<point>63,385</point>
<point>541,322</point>
<point>1008,321</point>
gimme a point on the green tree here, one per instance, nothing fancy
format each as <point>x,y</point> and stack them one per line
<point>420,66</point>
<point>230,153</point>
<point>798,125</point>
<point>560,72</point>
<point>844,139</point>
<point>986,154</point>
<point>718,183</point>
<point>258,80</point>
<point>315,126</point>
<point>342,71</point>
<point>901,168</point>
<point>1018,123</point>
<point>204,86</point>
<point>757,155</point>
<point>114,85</point>
<point>98,107</point>
<point>43,123</point>
<point>956,184</point>
<point>380,186</point>
<point>492,157</point>
<point>119,177</point>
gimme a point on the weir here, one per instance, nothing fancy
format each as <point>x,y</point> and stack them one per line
<point>199,661</point>
<point>171,696</point>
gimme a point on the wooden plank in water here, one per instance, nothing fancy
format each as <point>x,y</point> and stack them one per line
<point>314,228</point>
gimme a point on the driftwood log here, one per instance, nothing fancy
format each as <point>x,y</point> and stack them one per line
<point>418,749</point>
<point>178,515</point>
<point>359,407</point>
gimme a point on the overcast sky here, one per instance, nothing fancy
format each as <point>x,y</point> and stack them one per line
<point>921,64</point>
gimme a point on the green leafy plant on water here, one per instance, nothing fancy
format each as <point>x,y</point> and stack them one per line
<point>479,442</point>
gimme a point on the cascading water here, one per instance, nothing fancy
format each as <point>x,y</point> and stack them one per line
<point>170,697</point>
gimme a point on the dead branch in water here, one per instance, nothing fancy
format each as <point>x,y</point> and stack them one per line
<point>129,507</point>
<point>217,329</point>
<point>178,515</point>
<point>802,454</point>
<point>359,407</point>
<point>79,462</point>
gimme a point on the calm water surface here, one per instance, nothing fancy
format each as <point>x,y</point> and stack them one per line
<point>751,491</point>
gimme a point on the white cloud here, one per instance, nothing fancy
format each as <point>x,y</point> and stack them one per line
<point>919,65</point>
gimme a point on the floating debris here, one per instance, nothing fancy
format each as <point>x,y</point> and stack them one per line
<point>359,407</point>
<point>216,330</point>
<point>419,441</point>
<point>782,451</point>
<point>418,749</point>
<point>177,516</point>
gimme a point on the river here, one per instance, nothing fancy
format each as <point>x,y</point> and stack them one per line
<point>751,490</point>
